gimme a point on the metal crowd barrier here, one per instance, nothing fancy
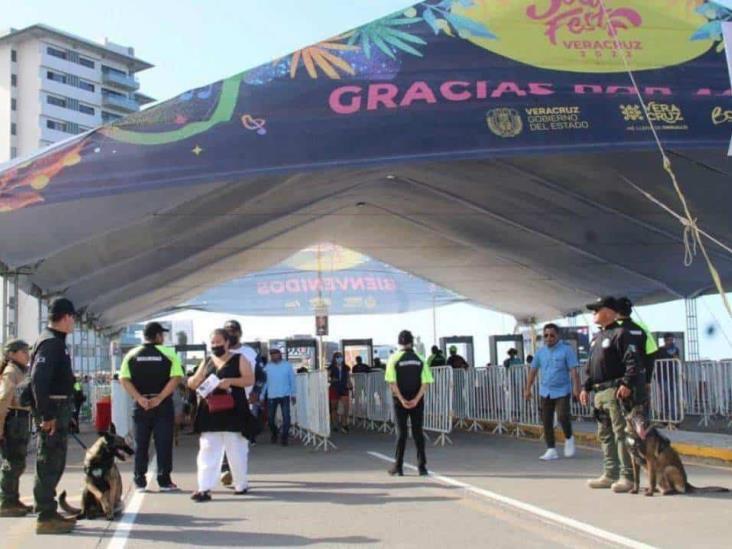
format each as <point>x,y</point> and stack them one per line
<point>699,389</point>
<point>521,411</point>
<point>312,410</point>
<point>359,400</point>
<point>725,367</point>
<point>379,408</point>
<point>461,397</point>
<point>488,395</point>
<point>578,411</point>
<point>438,404</point>
<point>667,392</point>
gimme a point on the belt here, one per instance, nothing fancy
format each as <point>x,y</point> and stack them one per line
<point>605,385</point>
<point>151,395</point>
<point>58,397</point>
<point>15,412</point>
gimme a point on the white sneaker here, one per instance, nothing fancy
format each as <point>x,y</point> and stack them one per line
<point>550,455</point>
<point>569,448</point>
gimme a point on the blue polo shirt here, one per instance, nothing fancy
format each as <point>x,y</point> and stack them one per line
<point>554,364</point>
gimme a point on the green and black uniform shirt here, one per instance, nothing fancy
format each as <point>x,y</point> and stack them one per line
<point>409,371</point>
<point>645,343</point>
<point>149,367</point>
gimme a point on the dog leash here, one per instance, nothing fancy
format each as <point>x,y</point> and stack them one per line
<point>79,441</point>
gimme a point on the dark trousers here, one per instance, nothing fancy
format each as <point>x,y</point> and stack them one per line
<point>272,405</point>
<point>416,418</point>
<point>160,424</point>
<point>13,451</point>
<point>51,460</point>
<point>548,406</point>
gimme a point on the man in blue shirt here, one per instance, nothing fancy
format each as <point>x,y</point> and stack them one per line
<point>280,388</point>
<point>557,361</point>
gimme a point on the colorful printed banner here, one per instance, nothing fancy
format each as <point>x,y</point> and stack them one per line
<point>442,79</point>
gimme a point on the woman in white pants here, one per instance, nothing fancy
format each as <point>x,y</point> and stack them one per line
<point>221,428</point>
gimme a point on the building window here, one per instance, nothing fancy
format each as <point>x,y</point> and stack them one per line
<point>13,129</point>
<point>13,152</point>
<point>13,56</point>
<point>56,77</point>
<point>112,70</point>
<point>86,62</point>
<point>105,92</point>
<point>108,117</point>
<point>13,104</point>
<point>54,125</point>
<point>14,80</point>
<point>57,101</point>
<point>88,86</point>
<point>86,109</point>
<point>57,53</point>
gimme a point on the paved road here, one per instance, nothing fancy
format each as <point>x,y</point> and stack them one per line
<point>490,492</point>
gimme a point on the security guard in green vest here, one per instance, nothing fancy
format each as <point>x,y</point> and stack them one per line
<point>52,384</point>
<point>408,377</point>
<point>647,343</point>
<point>150,374</point>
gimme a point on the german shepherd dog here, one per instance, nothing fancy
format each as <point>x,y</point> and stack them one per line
<point>102,495</point>
<point>653,451</point>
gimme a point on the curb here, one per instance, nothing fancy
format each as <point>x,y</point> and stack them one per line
<point>590,439</point>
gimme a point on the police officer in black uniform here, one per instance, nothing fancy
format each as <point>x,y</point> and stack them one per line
<point>52,385</point>
<point>647,347</point>
<point>408,376</point>
<point>616,375</point>
<point>150,373</point>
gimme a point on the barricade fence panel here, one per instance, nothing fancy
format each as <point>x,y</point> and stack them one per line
<point>438,401</point>
<point>360,400</point>
<point>521,411</point>
<point>312,411</point>
<point>461,395</point>
<point>666,398</point>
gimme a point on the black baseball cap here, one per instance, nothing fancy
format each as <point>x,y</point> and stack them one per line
<point>233,324</point>
<point>61,306</point>
<point>607,302</point>
<point>15,345</point>
<point>153,329</point>
<point>405,337</point>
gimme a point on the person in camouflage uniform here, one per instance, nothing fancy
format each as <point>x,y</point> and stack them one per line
<point>14,426</point>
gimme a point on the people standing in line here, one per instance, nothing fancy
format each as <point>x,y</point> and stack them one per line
<point>233,329</point>
<point>14,426</point>
<point>360,367</point>
<point>669,350</point>
<point>408,377</point>
<point>150,373</point>
<point>280,390</point>
<point>378,365</point>
<point>615,374</point>
<point>436,358</point>
<point>513,359</point>
<point>339,381</point>
<point>52,387</point>
<point>456,361</point>
<point>557,363</point>
<point>222,427</point>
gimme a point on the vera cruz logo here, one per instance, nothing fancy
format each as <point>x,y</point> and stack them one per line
<point>582,16</point>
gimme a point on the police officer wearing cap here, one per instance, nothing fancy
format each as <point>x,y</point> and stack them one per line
<point>645,341</point>
<point>14,426</point>
<point>408,377</point>
<point>52,385</point>
<point>150,373</point>
<point>615,374</point>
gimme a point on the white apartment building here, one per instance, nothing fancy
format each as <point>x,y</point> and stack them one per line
<point>54,85</point>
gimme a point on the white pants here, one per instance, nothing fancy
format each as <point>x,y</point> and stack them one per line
<point>211,455</point>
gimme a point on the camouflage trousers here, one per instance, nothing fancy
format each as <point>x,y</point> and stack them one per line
<point>13,451</point>
<point>51,460</point>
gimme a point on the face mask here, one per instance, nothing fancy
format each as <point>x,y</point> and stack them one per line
<point>218,350</point>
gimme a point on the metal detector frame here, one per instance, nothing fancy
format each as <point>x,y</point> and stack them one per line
<point>516,339</point>
<point>469,341</point>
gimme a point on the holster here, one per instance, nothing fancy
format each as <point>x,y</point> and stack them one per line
<point>601,416</point>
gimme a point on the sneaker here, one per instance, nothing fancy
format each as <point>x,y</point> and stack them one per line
<point>396,471</point>
<point>14,510</point>
<point>55,524</point>
<point>140,485</point>
<point>243,492</point>
<point>200,497</point>
<point>168,487</point>
<point>622,486</point>
<point>423,472</point>
<point>226,478</point>
<point>569,449</point>
<point>550,455</point>
<point>140,489</point>
<point>600,482</point>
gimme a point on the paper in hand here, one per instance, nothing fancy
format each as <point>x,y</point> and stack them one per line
<point>208,386</point>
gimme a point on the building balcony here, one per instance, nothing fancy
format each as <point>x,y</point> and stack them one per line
<point>120,80</point>
<point>121,103</point>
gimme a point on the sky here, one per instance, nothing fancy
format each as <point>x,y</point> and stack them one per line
<point>192,43</point>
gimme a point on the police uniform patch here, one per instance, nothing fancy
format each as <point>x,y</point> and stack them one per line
<point>605,343</point>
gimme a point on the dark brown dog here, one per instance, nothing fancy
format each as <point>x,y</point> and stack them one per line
<point>653,451</point>
<point>102,495</point>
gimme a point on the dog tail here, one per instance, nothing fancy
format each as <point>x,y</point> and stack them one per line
<point>66,507</point>
<point>705,489</point>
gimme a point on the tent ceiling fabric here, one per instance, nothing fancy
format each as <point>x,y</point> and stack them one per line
<point>491,167</point>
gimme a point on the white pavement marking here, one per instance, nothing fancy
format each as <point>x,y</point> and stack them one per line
<point>533,509</point>
<point>127,520</point>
